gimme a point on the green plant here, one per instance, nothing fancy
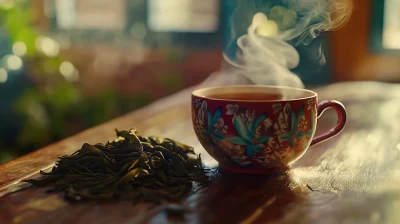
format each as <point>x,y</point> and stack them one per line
<point>56,106</point>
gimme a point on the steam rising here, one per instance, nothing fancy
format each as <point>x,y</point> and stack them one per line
<point>266,52</point>
<point>316,16</point>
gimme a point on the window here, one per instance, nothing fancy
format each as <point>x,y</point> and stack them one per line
<point>391,24</point>
<point>183,15</point>
<point>91,14</point>
<point>152,23</point>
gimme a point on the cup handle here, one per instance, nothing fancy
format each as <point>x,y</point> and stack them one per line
<point>341,112</point>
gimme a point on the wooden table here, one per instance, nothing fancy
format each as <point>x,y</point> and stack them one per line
<point>351,178</point>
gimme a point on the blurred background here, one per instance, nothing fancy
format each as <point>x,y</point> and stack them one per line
<point>67,65</point>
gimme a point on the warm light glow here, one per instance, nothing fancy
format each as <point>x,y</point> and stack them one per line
<point>68,70</point>
<point>263,26</point>
<point>3,75</point>
<point>268,28</point>
<point>48,46</point>
<point>19,48</point>
<point>13,62</point>
<point>6,4</point>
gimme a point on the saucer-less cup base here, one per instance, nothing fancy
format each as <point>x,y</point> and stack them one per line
<point>259,136</point>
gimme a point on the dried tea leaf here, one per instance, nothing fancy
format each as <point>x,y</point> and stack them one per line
<point>131,167</point>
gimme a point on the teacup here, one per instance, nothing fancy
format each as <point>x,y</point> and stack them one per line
<point>259,129</point>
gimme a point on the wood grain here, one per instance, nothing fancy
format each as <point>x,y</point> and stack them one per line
<point>351,178</point>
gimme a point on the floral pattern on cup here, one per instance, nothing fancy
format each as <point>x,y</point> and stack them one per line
<point>247,138</point>
<point>246,124</point>
<point>297,129</point>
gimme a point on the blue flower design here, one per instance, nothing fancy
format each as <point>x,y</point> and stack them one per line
<point>212,132</point>
<point>247,134</point>
<point>294,134</point>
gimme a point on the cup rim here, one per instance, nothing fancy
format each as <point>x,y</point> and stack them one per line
<point>197,93</point>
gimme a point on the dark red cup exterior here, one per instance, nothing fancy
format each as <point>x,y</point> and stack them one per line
<point>257,137</point>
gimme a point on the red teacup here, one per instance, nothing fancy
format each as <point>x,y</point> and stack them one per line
<point>259,129</point>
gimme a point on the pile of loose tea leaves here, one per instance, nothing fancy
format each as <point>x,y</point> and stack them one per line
<point>130,167</point>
